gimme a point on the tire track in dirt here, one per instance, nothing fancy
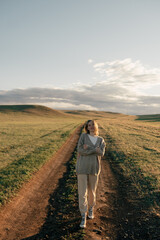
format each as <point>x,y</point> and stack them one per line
<point>105,224</point>
<point>25,214</point>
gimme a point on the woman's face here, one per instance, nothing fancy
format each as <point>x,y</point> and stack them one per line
<point>91,126</point>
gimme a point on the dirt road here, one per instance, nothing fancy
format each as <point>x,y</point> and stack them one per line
<point>27,217</point>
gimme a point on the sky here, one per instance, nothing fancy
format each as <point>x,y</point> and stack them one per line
<point>81,54</point>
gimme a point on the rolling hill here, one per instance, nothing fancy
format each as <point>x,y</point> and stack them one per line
<point>37,110</point>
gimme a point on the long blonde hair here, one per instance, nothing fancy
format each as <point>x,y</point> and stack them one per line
<point>95,124</point>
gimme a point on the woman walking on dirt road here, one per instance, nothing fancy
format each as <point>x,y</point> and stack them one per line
<point>91,148</point>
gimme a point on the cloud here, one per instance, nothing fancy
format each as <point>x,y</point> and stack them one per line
<point>116,91</point>
<point>100,96</point>
<point>127,73</point>
<point>68,106</point>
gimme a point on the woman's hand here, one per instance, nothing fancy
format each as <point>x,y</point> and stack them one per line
<point>98,150</point>
<point>85,146</point>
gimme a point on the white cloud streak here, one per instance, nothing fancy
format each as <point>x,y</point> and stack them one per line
<point>127,73</point>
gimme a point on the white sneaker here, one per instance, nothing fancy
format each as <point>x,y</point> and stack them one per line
<point>83,221</point>
<point>91,213</point>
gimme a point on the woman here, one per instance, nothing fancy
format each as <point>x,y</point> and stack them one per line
<point>90,149</point>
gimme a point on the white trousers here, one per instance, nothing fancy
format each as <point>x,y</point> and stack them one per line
<point>87,185</point>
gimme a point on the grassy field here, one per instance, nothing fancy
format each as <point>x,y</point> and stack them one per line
<point>29,137</point>
<point>134,149</point>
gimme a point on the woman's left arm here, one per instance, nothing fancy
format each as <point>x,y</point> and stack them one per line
<point>101,148</point>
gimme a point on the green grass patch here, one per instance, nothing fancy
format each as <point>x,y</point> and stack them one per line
<point>151,118</point>
<point>134,151</point>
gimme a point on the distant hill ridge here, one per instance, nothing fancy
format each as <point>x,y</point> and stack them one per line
<point>30,109</point>
<point>43,111</point>
<point>40,110</point>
